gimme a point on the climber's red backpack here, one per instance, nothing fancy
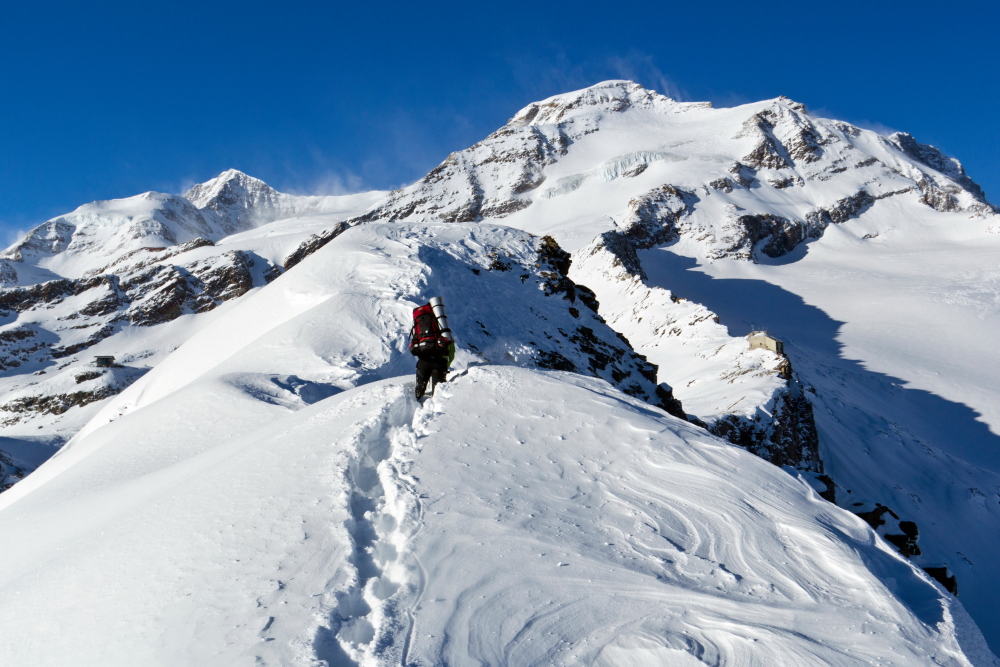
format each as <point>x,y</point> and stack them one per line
<point>425,336</point>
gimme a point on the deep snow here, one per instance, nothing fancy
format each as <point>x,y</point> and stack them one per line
<point>881,277</point>
<point>519,518</point>
<point>241,503</point>
<point>252,502</point>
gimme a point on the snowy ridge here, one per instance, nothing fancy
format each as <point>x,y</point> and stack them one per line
<point>748,396</point>
<point>270,493</point>
<point>104,232</point>
<point>757,179</point>
<point>360,529</point>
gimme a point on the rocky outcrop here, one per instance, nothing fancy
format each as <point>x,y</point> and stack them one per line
<point>58,395</point>
<point>314,243</point>
<point>144,288</point>
<point>10,472</point>
<point>935,159</point>
<point>768,152</point>
<point>784,435</point>
<point>612,359</point>
<point>938,198</point>
<point>653,217</point>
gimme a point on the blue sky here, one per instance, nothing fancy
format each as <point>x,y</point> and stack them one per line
<point>109,99</point>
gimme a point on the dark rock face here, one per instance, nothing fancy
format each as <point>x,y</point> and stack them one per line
<point>147,287</point>
<point>654,216</point>
<point>624,251</point>
<point>10,472</point>
<point>769,153</point>
<point>841,211</point>
<point>95,386</point>
<point>935,159</point>
<point>314,243</point>
<point>781,235</point>
<point>18,345</point>
<point>800,142</point>
<point>788,437</point>
<point>943,576</point>
<point>939,199</point>
<point>743,175</point>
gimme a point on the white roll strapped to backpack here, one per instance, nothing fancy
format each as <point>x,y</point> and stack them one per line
<point>437,305</point>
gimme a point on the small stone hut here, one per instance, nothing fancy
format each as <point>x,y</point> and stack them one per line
<point>761,339</point>
<point>104,361</point>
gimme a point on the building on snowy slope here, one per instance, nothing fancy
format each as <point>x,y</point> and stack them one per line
<point>764,341</point>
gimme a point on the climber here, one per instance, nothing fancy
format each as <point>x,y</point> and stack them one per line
<point>432,344</point>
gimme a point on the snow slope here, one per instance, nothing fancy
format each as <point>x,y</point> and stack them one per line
<point>518,518</point>
<point>873,256</point>
<point>241,503</point>
<point>895,334</point>
<point>132,278</point>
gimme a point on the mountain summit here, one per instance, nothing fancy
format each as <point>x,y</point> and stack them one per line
<point>725,391</point>
<point>238,200</point>
<point>680,169</point>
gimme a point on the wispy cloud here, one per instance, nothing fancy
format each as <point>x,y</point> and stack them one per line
<point>642,68</point>
<point>330,183</point>
<point>884,130</point>
<point>13,235</point>
<point>864,124</point>
<point>187,184</point>
<point>544,74</point>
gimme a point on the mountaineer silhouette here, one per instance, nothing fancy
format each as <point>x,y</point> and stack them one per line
<point>432,343</point>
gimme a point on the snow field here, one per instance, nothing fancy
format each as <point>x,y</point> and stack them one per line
<point>712,373</point>
<point>247,502</point>
<point>565,523</point>
<point>518,517</point>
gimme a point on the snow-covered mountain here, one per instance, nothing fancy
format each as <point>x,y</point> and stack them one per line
<point>258,511</point>
<point>264,490</point>
<point>132,278</point>
<point>696,225</point>
<point>747,182</point>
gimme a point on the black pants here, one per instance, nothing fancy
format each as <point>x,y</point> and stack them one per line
<point>430,368</point>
